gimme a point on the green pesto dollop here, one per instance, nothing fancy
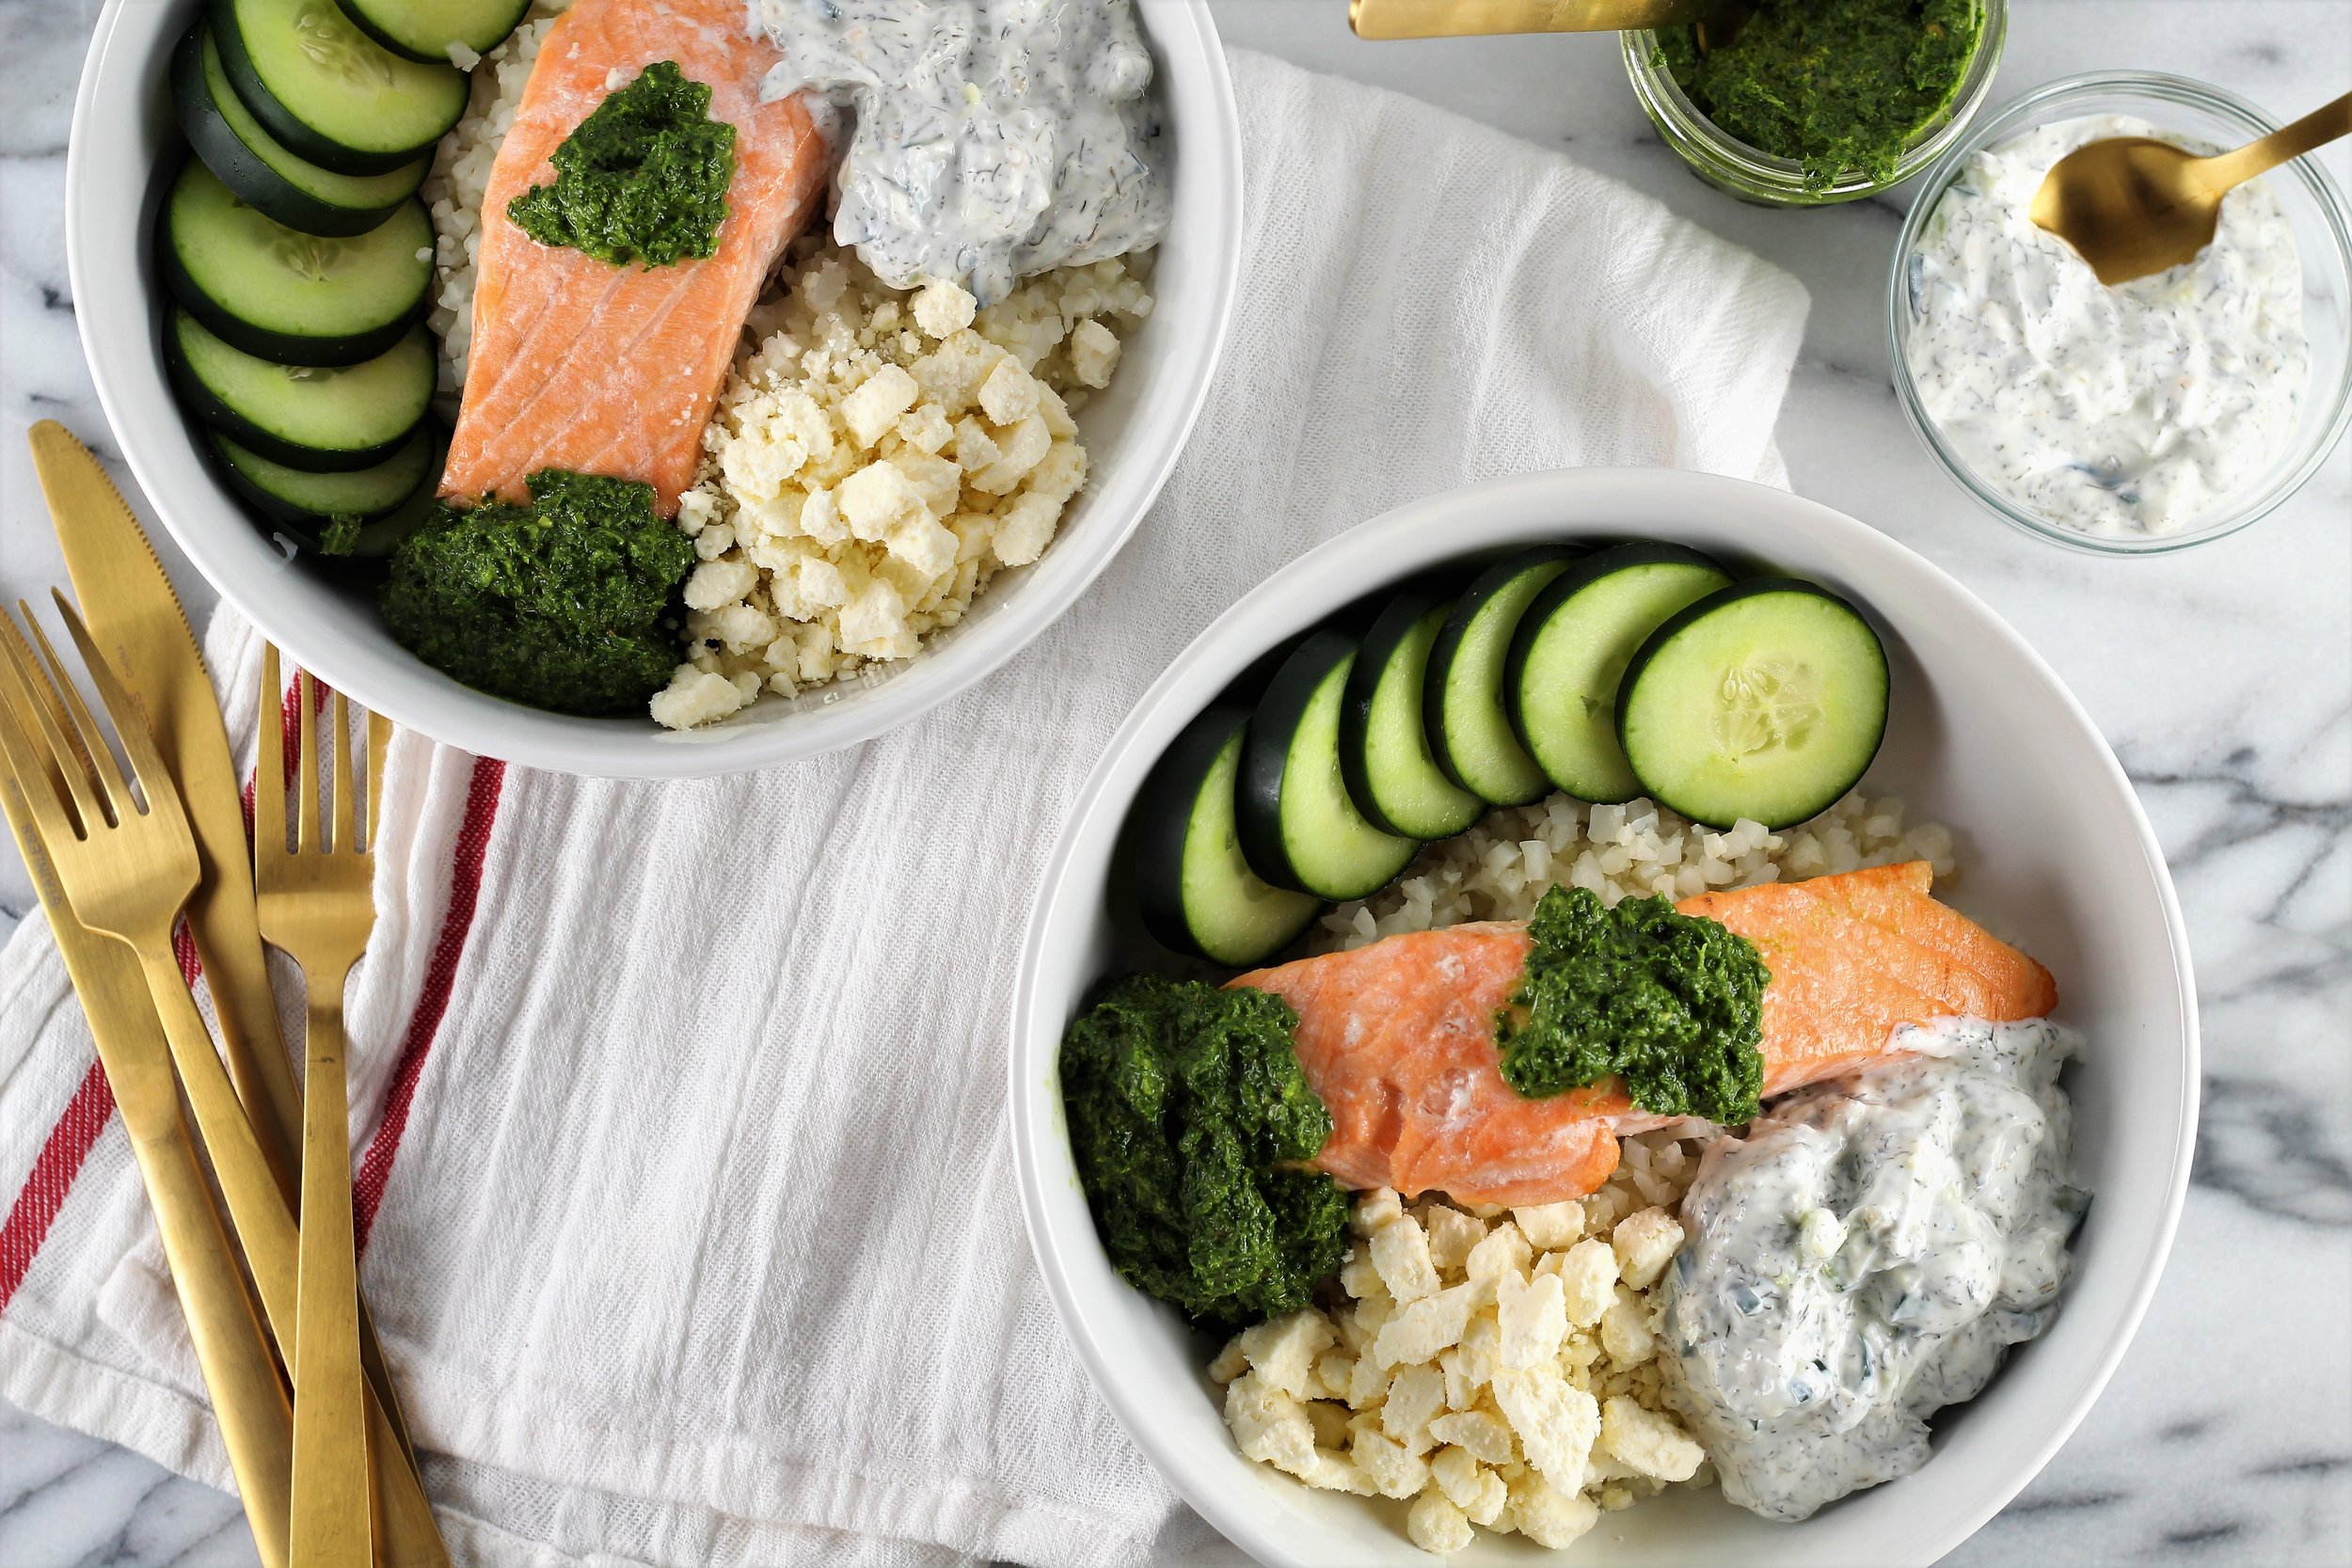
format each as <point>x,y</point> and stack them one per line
<point>1671,1003</point>
<point>558,604</point>
<point>1192,1125</point>
<point>1838,85</point>
<point>644,176</point>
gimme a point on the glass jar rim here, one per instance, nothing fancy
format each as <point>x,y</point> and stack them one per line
<point>1765,175</point>
<point>2014,116</point>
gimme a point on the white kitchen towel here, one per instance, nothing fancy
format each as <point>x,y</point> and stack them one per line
<point>684,1168</point>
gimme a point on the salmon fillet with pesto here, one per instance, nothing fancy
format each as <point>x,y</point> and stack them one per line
<point>581,364</point>
<point>1398,1037</point>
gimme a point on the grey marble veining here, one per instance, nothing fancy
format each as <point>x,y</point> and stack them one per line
<point>2222,676</point>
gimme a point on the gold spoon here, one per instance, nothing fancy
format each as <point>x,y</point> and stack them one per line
<point>2132,205</point>
<point>1717,20</point>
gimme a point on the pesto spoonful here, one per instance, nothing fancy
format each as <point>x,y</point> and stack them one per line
<point>1716,19</point>
<point>2134,205</point>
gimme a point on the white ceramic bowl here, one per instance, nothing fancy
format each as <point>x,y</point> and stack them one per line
<point>2055,854</point>
<point>123,126</point>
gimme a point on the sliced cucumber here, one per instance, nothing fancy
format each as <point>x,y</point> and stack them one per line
<point>1469,731</point>
<point>1766,699</point>
<point>430,29</point>
<point>1196,892</point>
<point>328,91</point>
<point>1384,740</point>
<point>287,495</point>
<point>287,296</point>
<point>255,165</point>
<point>1571,650</point>
<point>323,418</point>
<point>1299,826</point>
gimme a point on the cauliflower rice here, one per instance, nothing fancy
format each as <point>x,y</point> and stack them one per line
<point>877,456</point>
<point>1514,854</point>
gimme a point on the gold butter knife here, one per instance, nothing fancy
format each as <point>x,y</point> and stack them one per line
<point>1718,20</point>
<point>136,619</point>
<point>233,1352</point>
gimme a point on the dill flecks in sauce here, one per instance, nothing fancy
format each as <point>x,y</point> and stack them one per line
<point>1837,85</point>
<point>1671,1003</point>
<point>558,604</point>
<point>995,139</point>
<point>2135,410</point>
<point>1865,1255</point>
<point>1192,1125</point>
<point>644,177</point>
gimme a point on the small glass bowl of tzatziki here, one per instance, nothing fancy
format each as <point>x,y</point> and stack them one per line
<point>2162,413</point>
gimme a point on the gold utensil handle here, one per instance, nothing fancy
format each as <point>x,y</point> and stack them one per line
<point>232,1351</point>
<point>1438,19</point>
<point>2317,129</point>
<point>266,1228</point>
<point>330,1453</point>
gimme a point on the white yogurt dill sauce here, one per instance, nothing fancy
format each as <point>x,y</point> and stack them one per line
<point>1864,1255</point>
<point>2129,411</point>
<point>994,138</point>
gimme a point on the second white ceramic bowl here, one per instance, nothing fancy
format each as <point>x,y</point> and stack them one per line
<point>2054,855</point>
<point>122,129</point>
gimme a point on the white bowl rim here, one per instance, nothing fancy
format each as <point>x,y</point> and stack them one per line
<point>1377,537</point>
<point>488,727</point>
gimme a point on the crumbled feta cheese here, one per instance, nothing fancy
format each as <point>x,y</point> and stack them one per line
<point>1556,1422</point>
<point>1504,1250</point>
<point>1481,1433</point>
<point>1392,1472</point>
<point>1284,1350</point>
<point>1415,1395</point>
<point>1422,1328</point>
<point>1647,1442</point>
<point>941,308</point>
<point>1624,1330</point>
<point>1435,1525</point>
<point>1400,1250</point>
<point>1093,354</point>
<point>1532,1317</point>
<point>1552,1226</point>
<point>1645,1241</point>
<point>696,697</point>
<point>1549,1517</point>
<point>1588,1276</point>
<point>1451,1234</point>
<point>1270,1425</point>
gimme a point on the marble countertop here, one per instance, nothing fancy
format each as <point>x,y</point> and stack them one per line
<point>2222,676</point>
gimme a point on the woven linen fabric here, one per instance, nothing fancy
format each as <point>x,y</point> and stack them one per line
<point>683,1163</point>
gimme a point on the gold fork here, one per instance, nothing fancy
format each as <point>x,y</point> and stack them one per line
<point>126,875</point>
<point>231,1348</point>
<point>317,907</point>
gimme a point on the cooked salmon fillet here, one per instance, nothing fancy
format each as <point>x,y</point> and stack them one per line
<point>577,363</point>
<point>1398,1037</point>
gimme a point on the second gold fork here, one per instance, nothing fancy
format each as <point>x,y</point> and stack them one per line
<point>317,905</point>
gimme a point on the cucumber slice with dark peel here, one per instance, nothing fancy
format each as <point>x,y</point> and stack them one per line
<point>1571,651</point>
<point>1196,890</point>
<point>1300,828</point>
<point>286,296</point>
<point>1469,729</point>
<point>1384,739</point>
<point>326,419</point>
<point>285,494</point>
<point>427,29</point>
<point>1766,701</point>
<point>258,168</point>
<point>329,92</point>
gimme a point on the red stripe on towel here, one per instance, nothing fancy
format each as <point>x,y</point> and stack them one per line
<point>465,888</point>
<point>44,1193</point>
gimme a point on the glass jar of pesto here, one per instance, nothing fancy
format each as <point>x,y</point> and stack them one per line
<point>1820,101</point>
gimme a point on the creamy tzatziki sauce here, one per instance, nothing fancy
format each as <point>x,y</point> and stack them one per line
<point>1865,1255</point>
<point>992,139</point>
<point>2137,410</point>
